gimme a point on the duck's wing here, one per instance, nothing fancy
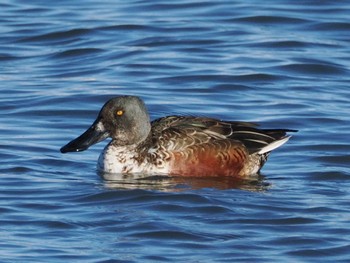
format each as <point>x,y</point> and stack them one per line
<point>179,132</point>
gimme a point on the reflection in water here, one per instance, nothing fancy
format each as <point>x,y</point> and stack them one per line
<point>175,184</point>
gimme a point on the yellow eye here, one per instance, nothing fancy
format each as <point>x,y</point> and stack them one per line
<point>120,112</point>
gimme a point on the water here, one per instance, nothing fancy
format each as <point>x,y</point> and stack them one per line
<point>284,64</point>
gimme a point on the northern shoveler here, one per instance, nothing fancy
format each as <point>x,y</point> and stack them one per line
<point>175,145</point>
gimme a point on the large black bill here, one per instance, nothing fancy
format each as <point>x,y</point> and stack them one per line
<point>91,136</point>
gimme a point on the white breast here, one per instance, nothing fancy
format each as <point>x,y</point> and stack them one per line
<point>122,160</point>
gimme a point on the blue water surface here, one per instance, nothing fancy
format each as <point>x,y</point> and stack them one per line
<point>283,64</point>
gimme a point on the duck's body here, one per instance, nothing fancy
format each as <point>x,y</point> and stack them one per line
<point>176,145</point>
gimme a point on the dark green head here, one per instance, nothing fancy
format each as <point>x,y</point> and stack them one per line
<point>125,119</point>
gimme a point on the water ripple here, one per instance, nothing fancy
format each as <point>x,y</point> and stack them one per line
<point>280,64</point>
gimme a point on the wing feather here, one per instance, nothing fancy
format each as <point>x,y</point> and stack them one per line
<point>180,132</point>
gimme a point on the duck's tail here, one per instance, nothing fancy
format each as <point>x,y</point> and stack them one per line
<point>273,145</point>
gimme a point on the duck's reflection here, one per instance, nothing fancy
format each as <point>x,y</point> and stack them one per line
<point>175,184</point>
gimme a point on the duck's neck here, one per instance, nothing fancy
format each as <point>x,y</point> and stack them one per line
<point>138,150</point>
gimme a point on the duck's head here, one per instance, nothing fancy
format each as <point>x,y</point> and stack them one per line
<point>125,119</point>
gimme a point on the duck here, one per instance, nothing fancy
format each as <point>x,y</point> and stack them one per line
<point>175,145</point>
